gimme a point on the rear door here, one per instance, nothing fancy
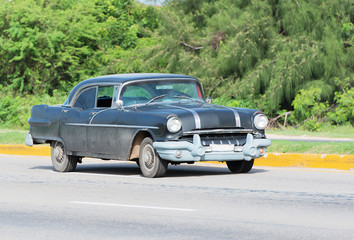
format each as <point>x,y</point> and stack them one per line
<point>74,120</point>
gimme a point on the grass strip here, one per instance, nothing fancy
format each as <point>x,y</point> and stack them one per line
<point>283,146</point>
<point>12,137</point>
<point>345,131</point>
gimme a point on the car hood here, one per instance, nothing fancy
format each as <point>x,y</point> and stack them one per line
<point>195,115</point>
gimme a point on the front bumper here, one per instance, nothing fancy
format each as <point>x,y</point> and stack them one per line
<point>190,152</point>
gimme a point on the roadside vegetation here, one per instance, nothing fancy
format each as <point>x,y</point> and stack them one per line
<point>283,146</point>
<point>291,59</point>
<point>328,130</point>
<point>12,136</point>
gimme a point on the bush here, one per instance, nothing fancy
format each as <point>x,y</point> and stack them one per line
<point>308,108</point>
<point>234,102</point>
<point>15,109</point>
<point>344,112</point>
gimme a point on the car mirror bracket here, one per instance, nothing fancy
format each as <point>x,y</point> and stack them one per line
<point>208,99</point>
<point>119,104</point>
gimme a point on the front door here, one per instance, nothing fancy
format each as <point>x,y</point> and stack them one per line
<point>102,131</point>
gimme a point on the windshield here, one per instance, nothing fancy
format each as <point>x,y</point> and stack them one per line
<point>161,91</point>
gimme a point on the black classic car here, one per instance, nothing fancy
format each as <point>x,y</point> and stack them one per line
<point>153,119</point>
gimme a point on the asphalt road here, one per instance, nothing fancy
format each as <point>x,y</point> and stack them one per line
<point>110,200</point>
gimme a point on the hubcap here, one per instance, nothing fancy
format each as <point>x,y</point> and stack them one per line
<point>58,153</point>
<point>149,156</point>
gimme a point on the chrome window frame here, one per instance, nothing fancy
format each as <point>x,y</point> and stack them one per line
<point>96,85</point>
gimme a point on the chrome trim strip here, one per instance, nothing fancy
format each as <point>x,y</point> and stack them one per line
<point>218,131</point>
<point>197,122</point>
<point>237,116</point>
<point>109,125</point>
<point>93,117</point>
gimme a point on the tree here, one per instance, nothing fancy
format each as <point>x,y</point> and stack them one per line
<point>263,51</point>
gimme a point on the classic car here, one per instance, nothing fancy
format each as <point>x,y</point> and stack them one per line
<point>153,119</point>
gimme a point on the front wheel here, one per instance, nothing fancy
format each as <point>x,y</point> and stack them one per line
<point>60,160</point>
<point>151,165</point>
<point>240,166</point>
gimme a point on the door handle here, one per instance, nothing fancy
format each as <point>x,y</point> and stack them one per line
<point>65,111</point>
<point>92,113</point>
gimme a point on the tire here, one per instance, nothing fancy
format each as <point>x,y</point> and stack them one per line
<point>240,166</point>
<point>151,165</point>
<point>60,160</point>
<point>235,166</point>
<point>247,166</point>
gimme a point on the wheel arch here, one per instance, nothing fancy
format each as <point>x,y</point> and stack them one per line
<point>135,145</point>
<point>53,140</point>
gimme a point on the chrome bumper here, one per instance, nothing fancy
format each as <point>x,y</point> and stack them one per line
<point>189,152</point>
<point>29,140</point>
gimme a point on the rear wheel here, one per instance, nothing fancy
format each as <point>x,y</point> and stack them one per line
<point>60,160</point>
<point>151,165</point>
<point>240,166</point>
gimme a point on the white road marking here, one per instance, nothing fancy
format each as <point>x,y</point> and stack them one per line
<point>104,174</point>
<point>134,206</point>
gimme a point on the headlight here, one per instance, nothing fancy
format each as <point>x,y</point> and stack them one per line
<point>260,121</point>
<point>174,124</point>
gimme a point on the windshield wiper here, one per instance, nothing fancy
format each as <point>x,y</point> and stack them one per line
<point>187,97</point>
<point>155,98</point>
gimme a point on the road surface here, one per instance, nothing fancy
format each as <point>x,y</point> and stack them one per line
<point>111,200</point>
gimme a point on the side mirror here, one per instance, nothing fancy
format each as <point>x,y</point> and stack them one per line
<point>119,104</point>
<point>208,99</point>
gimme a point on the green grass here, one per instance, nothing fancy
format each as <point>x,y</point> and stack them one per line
<point>283,146</point>
<point>346,131</point>
<point>10,136</point>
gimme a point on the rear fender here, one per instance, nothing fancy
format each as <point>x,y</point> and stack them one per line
<point>44,122</point>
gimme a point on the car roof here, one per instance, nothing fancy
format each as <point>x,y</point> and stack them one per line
<point>123,78</point>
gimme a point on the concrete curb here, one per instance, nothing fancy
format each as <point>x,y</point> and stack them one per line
<point>334,161</point>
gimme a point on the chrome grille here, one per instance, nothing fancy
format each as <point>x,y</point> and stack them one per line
<point>236,139</point>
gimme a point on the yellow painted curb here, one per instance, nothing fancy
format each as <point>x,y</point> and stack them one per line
<point>334,161</point>
<point>36,150</point>
<point>342,162</point>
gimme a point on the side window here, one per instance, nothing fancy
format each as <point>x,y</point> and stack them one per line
<point>104,96</point>
<point>86,99</point>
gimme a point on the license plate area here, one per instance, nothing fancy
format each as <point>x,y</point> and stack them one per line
<point>222,147</point>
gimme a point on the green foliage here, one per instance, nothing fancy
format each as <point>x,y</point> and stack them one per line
<point>53,44</point>
<point>124,22</point>
<point>16,109</point>
<point>344,112</point>
<point>309,109</point>
<point>348,31</point>
<point>261,50</point>
<point>234,103</point>
<point>269,55</point>
<point>46,42</point>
